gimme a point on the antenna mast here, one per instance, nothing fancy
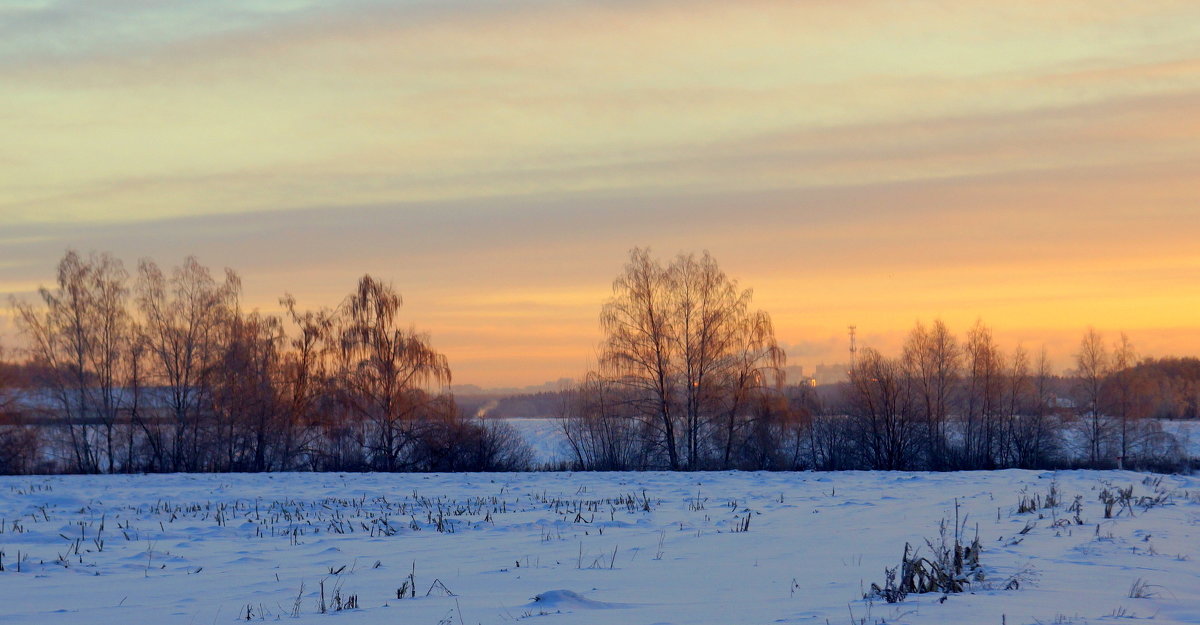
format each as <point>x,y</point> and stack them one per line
<point>853,347</point>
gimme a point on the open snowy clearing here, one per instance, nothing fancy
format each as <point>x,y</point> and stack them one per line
<point>545,438</point>
<point>558,548</point>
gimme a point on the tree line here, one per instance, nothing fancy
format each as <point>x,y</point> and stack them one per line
<point>689,377</point>
<point>165,371</point>
<point>946,404</point>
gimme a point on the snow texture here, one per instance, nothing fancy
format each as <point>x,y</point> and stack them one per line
<point>562,548</point>
<point>545,437</point>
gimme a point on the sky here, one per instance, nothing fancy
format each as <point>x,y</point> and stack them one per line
<point>1032,164</point>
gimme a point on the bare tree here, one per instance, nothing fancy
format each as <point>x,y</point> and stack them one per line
<point>1093,365</point>
<point>305,381</point>
<point>182,320</point>
<point>498,446</point>
<point>832,442</point>
<point>78,336</point>
<point>7,384</point>
<point>383,371</point>
<point>705,307</point>
<point>933,359</point>
<point>111,325</point>
<point>1018,385</point>
<point>686,354</point>
<point>600,433</point>
<point>20,443</point>
<point>984,387</point>
<point>882,403</point>
<point>772,434</point>
<point>153,453</point>
<point>751,393</point>
<point>1027,398</point>
<point>246,393</point>
<point>637,350</point>
<point>1129,397</point>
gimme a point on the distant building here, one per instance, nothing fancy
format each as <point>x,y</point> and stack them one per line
<point>794,374</point>
<point>831,374</point>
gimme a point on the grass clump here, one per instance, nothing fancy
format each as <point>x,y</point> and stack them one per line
<point>950,568</point>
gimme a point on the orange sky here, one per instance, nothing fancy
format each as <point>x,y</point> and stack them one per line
<point>875,163</point>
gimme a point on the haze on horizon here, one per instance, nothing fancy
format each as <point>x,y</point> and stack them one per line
<point>874,163</point>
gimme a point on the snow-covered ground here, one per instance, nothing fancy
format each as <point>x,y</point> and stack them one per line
<point>545,436</point>
<point>1187,433</point>
<point>595,547</point>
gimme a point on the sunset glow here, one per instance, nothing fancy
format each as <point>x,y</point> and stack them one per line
<point>870,163</point>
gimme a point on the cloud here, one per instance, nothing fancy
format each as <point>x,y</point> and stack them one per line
<point>854,162</point>
<point>232,107</point>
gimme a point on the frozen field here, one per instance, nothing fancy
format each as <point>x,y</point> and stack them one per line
<point>596,548</point>
<point>545,437</point>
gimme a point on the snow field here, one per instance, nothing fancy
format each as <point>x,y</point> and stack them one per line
<point>545,438</point>
<point>560,548</point>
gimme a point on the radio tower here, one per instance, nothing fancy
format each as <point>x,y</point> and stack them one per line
<point>853,347</point>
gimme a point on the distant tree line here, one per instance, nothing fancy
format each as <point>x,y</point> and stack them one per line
<point>1173,385</point>
<point>167,372</point>
<point>689,378</point>
<point>526,405</point>
<point>944,404</point>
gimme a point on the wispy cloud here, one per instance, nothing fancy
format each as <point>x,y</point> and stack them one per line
<point>859,161</point>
